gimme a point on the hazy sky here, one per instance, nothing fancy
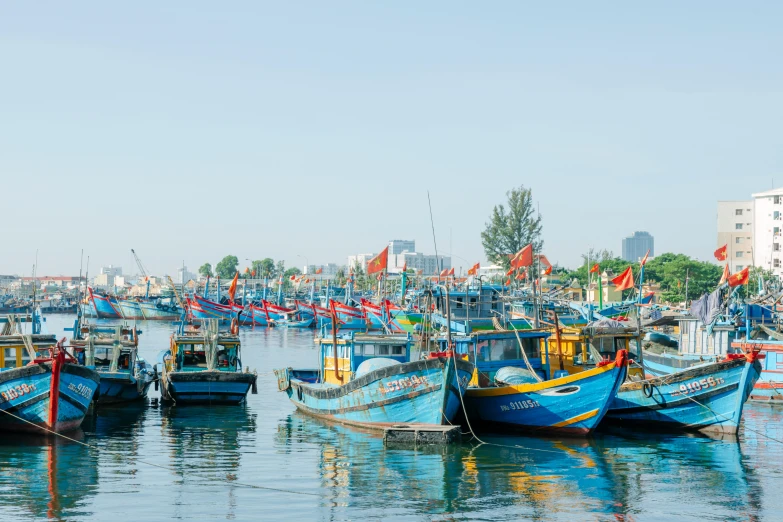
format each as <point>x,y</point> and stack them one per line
<point>191,130</point>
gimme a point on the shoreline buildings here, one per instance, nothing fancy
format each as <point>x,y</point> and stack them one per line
<point>402,253</point>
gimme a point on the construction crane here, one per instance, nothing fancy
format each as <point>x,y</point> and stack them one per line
<point>143,272</point>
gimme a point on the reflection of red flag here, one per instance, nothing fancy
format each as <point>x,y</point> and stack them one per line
<point>232,289</point>
<point>474,269</point>
<point>595,269</point>
<point>548,270</point>
<point>720,254</point>
<point>521,275</point>
<point>379,262</point>
<point>644,261</point>
<point>510,271</point>
<point>624,281</point>
<point>523,258</point>
<point>740,278</point>
<point>725,276</point>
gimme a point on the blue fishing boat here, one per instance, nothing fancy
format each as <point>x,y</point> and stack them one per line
<point>113,352</point>
<point>41,385</point>
<point>204,366</point>
<point>103,305</point>
<point>708,397</point>
<point>474,309</point>
<point>349,317</point>
<point>202,308</point>
<point>512,388</point>
<point>374,381</point>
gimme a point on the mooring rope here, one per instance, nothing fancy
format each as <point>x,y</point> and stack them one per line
<point>729,418</point>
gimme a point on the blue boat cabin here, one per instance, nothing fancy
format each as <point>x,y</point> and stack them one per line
<point>192,353</point>
<point>353,350</point>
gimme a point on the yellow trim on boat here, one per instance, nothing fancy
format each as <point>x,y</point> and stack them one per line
<point>538,386</point>
<point>574,420</point>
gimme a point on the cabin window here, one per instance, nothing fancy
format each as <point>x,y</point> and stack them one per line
<point>369,349</point>
<point>473,303</point>
<point>398,350</point>
<point>384,349</point>
<point>357,349</point>
<point>506,349</point>
<point>621,343</point>
<point>103,355</point>
<point>460,303</point>
<point>193,355</point>
<point>10,358</point>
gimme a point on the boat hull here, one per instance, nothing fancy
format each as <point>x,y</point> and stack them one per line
<point>104,308</point>
<point>121,387</point>
<point>207,387</point>
<point>574,404</point>
<point>25,393</point>
<point>420,392</point>
<point>708,397</point>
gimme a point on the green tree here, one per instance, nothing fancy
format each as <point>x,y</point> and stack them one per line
<point>292,272</point>
<point>280,267</point>
<point>264,267</point>
<point>206,270</point>
<point>510,229</point>
<point>227,267</point>
<point>339,277</point>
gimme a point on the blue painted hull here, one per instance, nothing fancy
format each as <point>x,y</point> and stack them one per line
<point>104,308</point>
<point>121,387</point>
<point>574,404</point>
<point>707,398</point>
<point>419,392</point>
<point>207,387</point>
<point>25,391</point>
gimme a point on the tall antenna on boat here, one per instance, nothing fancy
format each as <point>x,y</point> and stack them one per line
<point>432,224</point>
<point>448,303</point>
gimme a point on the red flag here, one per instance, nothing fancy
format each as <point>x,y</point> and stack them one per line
<point>624,281</point>
<point>740,278</point>
<point>443,273</point>
<point>247,270</point>
<point>319,270</point>
<point>644,261</point>
<point>232,289</point>
<point>720,254</point>
<point>510,271</point>
<point>508,281</point>
<point>379,262</point>
<point>523,258</point>
<point>548,270</point>
<point>595,269</point>
<point>521,275</point>
<point>450,272</point>
<point>253,273</point>
<point>474,269</point>
<point>725,276</point>
<point>404,266</point>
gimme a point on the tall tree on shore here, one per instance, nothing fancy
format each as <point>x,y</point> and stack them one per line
<point>227,267</point>
<point>205,270</point>
<point>511,228</point>
<point>264,268</point>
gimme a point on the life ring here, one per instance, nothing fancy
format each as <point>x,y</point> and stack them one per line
<point>647,389</point>
<point>234,326</point>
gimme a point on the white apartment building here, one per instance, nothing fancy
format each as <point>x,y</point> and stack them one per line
<point>328,271</point>
<point>735,229</point>
<point>401,254</point>
<point>767,224</point>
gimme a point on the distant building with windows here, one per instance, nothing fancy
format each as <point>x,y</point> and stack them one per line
<point>398,246</point>
<point>636,246</point>
<point>735,230</point>
<point>402,254</point>
<point>766,225</point>
<point>328,271</point>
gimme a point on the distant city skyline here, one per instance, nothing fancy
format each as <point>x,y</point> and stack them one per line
<point>284,130</point>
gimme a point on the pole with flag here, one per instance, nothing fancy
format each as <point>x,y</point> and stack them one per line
<point>641,274</point>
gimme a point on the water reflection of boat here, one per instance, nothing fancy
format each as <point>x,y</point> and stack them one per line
<point>45,477</point>
<point>619,474</point>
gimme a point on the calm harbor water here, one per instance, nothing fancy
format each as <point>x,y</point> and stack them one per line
<point>264,461</point>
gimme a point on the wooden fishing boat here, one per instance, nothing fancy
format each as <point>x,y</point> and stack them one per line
<point>350,318</point>
<point>373,381</point>
<point>103,305</point>
<point>204,366</point>
<point>708,398</point>
<point>513,387</point>
<point>383,316</point>
<point>474,309</point>
<point>113,352</point>
<point>202,308</point>
<point>41,385</point>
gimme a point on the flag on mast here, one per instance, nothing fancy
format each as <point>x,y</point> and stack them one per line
<point>379,262</point>
<point>624,281</point>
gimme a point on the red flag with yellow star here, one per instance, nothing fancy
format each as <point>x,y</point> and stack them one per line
<point>474,269</point>
<point>379,262</point>
<point>740,278</point>
<point>720,254</point>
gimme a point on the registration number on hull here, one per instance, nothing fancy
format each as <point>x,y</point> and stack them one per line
<point>16,392</point>
<point>697,386</point>
<point>81,389</point>
<point>404,383</point>
<point>519,405</point>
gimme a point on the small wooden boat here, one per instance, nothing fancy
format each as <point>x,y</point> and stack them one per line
<point>41,385</point>
<point>204,366</point>
<point>113,352</point>
<point>512,387</point>
<point>103,305</point>
<point>373,381</point>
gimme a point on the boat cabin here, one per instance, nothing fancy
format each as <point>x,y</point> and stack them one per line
<point>18,350</point>
<point>354,349</point>
<point>491,351</point>
<point>196,352</point>
<point>482,302</point>
<point>580,349</point>
<point>106,348</point>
